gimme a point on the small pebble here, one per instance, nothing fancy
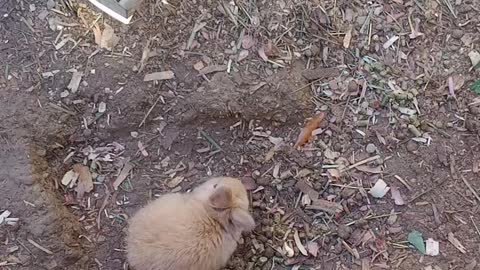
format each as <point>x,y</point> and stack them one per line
<point>344,232</point>
<point>412,146</point>
<point>371,148</point>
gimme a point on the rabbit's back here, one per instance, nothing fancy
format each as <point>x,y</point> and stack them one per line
<point>175,233</point>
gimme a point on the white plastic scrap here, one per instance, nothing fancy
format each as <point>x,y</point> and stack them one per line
<point>432,247</point>
<point>379,189</point>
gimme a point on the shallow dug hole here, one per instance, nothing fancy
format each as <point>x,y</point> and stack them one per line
<point>47,234</point>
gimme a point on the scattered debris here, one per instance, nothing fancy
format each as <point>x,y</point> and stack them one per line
<point>142,149</point>
<point>127,167</point>
<point>75,81</point>
<point>390,42</point>
<point>212,69</point>
<point>49,74</point>
<point>159,76</point>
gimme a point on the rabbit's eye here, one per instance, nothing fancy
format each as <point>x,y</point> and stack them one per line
<point>215,186</point>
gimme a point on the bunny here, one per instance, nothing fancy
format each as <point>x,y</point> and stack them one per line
<point>190,231</point>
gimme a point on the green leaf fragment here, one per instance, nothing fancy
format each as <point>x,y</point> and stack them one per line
<point>475,87</point>
<point>415,238</point>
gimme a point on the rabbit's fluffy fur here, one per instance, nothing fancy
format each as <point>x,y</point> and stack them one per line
<point>190,231</point>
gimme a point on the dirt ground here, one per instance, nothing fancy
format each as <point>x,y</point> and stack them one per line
<point>395,79</point>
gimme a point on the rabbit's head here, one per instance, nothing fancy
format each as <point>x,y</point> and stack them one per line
<point>227,200</point>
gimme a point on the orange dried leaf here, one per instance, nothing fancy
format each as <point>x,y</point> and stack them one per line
<point>311,125</point>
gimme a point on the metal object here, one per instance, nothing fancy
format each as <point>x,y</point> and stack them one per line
<point>120,10</point>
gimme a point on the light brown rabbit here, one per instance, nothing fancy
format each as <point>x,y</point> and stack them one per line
<point>190,231</point>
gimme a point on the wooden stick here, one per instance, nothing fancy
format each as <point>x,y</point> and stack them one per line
<point>362,162</point>
<point>403,182</point>
<point>470,187</point>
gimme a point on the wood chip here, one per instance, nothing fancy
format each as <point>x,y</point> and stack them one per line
<point>175,181</point>
<point>69,177</point>
<point>348,37</point>
<point>320,73</point>
<point>454,241</point>
<point>368,169</point>
<point>212,69</point>
<point>326,206</point>
<point>123,174</point>
<point>141,148</point>
<point>159,76</point>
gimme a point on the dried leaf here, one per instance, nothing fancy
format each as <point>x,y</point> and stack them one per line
<point>379,189</point>
<point>454,241</point>
<point>288,250</point>
<point>415,238</point>
<point>458,81</point>
<point>299,244</point>
<point>311,125</point>
<point>109,39</point>
<point>333,174</point>
<point>396,196</point>
<point>474,58</point>
<point>271,50</point>
<point>262,54</point>
<point>306,189</point>
<point>249,183</point>
<point>248,42</point>
<point>85,180</point>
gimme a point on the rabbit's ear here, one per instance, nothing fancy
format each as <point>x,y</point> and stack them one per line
<point>242,220</point>
<point>221,198</point>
